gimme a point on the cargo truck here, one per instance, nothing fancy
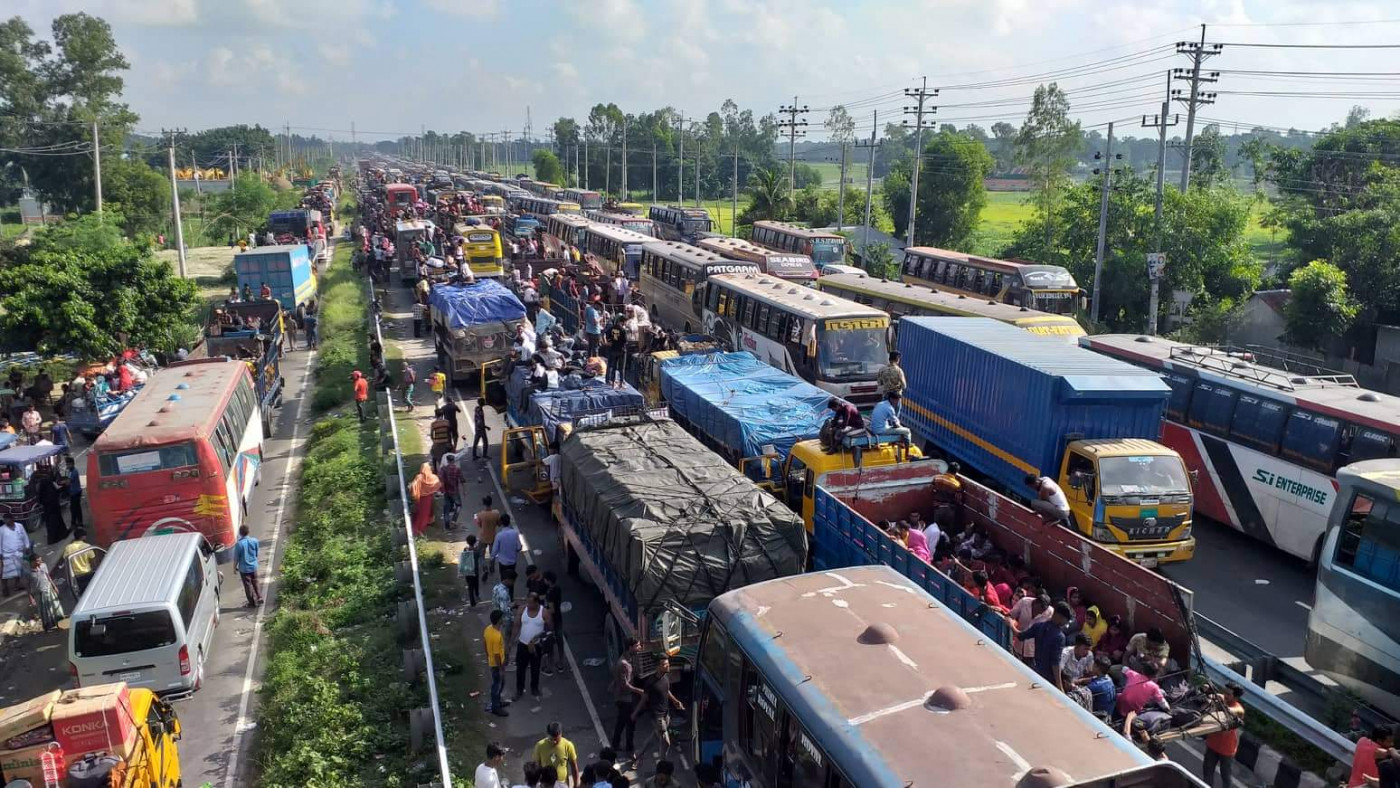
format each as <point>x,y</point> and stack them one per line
<point>472,325</point>
<point>286,269</point>
<point>261,350</point>
<point>766,423</point>
<point>297,226</point>
<point>1006,404</point>
<point>661,526</point>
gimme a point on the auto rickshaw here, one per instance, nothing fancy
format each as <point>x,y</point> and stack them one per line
<point>20,469</point>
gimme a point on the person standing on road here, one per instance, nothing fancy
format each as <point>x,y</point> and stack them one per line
<point>481,430</point>
<point>488,772</point>
<point>43,594</point>
<point>75,495</point>
<point>1222,746</point>
<point>424,486</point>
<point>451,412</point>
<point>438,383</point>
<point>451,475</point>
<point>51,502</point>
<point>553,597</point>
<point>891,376</point>
<point>361,387</point>
<point>556,756</point>
<point>656,701</point>
<point>245,559</point>
<point>469,569</point>
<point>494,640</point>
<point>313,340</point>
<point>505,550</point>
<point>626,694</point>
<point>502,601</point>
<point>14,549</point>
<point>409,379</point>
<point>78,554</point>
<point>532,622</point>
<point>487,521</point>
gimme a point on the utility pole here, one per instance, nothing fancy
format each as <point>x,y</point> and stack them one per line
<point>1108,160</point>
<point>175,198</point>
<point>97,165</point>
<point>873,145</point>
<point>680,166</point>
<point>1198,54</point>
<point>697,165</point>
<point>510,154</point>
<point>1161,123</point>
<point>841,192</point>
<point>794,128</point>
<point>607,163</point>
<point>586,180</point>
<point>734,196</point>
<point>624,157</point>
<point>653,170</point>
<point>922,94</point>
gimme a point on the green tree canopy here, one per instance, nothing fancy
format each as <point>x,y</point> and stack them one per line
<point>81,287</point>
<point>951,194</point>
<point>547,167</point>
<point>805,175</point>
<point>769,197</point>
<point>1046,145</point>
<point>1319,306</point>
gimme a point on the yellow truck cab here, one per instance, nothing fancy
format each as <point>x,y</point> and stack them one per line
<point>1131,495</point>
<point>808,464</point>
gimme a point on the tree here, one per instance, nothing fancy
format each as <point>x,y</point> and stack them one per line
<point>82,288</point>
<point>1319,306</point>
<point>1208,168</point>
<point>768,197</point>
<point>1004,145</point>
<point>951,193</point>
<point>1045,145</point>
<point>1256,150</point>
<point>547,166</point>
<point>805,175</point>
<point>879,261</point>
<point>1357,115</point>
<point>137,193</point>
<point>243,207</point>
<point>215,144</point>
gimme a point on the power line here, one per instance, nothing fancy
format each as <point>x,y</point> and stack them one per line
<point>1310,46</point>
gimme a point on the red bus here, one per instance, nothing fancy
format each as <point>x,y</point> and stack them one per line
<point>183,456</point>
<point>399,196</point>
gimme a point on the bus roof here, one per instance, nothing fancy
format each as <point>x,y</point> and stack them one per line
<point>792,229</point>
<point>961,257</point>
<point>893,680</point>
<point>947,303</point>
<point>684,253</point>
<point>617,233</point>
<point>1335,395</point>
<point>178,403</point>
<point>796,298</point>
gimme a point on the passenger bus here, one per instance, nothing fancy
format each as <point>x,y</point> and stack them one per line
<point>519,226</point>
<point>838,345</point>
<point>630,208</point>
<point>1047,288</point>
<point>679,223</point>
<point>183,456</point>
<point>588,199</point>
<point>539,188</point>
<point>1353,626</point>
<point>483,250</point>
<point>543,206</point>
<point>615,249</point>
<point>784,265</point>
<point>1266,442</point>
<point>822,247</point>
<point>902,299</point>
<point>561,230</point>
<point>671,278</point>
<point>859,678</point>
<point>637,224</point>
<point>398,196</point>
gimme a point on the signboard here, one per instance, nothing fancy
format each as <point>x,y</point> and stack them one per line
<point>1156,264</point>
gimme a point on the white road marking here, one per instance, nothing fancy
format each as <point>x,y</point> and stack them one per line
<point>1260,581</point>
<point>568,652</point>
<point>292,460</point>
<point>1303,605</point>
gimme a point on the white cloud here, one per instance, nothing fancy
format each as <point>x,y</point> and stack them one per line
<point>469,8</point>
<point>333,53</point>
<point>565,70</point>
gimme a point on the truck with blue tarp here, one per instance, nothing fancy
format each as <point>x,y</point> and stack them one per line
<point>1008,404</point>
<point>472,325</point>
<point>285,269</point>
<point>661,526</point>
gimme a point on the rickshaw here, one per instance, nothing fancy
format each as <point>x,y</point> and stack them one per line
<point>20,467</point>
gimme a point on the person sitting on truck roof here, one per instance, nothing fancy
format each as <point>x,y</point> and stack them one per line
<point>884,419</point>
<point>845,418</point>
<point>1050,502</point>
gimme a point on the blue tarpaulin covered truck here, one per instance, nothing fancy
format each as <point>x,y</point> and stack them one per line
<point>472,324</point>
<point>1007,403</point>
<point>285,269</point>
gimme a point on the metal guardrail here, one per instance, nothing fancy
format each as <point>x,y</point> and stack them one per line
<point>426,643</point>
<point>1260,667</point>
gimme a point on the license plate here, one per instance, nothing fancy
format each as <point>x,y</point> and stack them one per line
<point>132,676</point>
<point>1148,563</point>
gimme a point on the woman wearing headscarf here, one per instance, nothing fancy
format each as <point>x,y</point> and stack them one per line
<point>424,486</point>
<point>1094,625</point>
<point>44,595</point>
<point>1113,642</point>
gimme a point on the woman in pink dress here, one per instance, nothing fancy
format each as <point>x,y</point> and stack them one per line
<point>915,540</point>
<point>424,486</point>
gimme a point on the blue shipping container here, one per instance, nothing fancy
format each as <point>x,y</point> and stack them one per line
<point>285,269</point>
<point>1007,401</point>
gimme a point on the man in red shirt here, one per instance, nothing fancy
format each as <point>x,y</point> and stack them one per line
<point>1221,747</point>
<point>1363,763</point>
<point>361,393</point>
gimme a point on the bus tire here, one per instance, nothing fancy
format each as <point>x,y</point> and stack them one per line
<point>1317,552</point>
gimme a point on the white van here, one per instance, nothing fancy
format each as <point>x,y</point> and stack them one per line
<point>148,616</point>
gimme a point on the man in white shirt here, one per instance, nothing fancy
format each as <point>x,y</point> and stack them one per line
<point>1050,501</point>
<point>1076,663</point>
<point>488,772</point>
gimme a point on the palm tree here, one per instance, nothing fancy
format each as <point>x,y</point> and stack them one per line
<point>769,195</point>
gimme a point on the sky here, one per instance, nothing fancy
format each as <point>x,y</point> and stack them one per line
<point>393,66</point>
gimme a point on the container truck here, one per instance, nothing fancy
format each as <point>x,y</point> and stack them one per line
<point>1006,404</point>
<point>472,325</point>
<point>297,226</point>
<point>661,526</point>
<point>286,269</point>
<point>766,423</point>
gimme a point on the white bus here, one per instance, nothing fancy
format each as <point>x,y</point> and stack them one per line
<point>672,274</point>
<point>828,341</point>
<point>824,248</point>
<point>784,265</point>
<point>614,248</point>
<point>588,199</point>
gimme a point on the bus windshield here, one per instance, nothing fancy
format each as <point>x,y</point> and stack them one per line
<point>828,250</point>
<point>1149,475</point>
<point>696,225</point>
<point>851,354</point>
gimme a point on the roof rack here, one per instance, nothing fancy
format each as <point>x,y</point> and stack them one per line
<point>1271,367</point>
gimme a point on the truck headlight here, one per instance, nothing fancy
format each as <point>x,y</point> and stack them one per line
<point>1186,533</point>
<point>1102,534</point>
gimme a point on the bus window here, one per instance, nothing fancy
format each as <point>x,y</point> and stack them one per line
<point>775,325</point>
<point>1312,440</point>
<point>1258,422</point>
<point>713,651</point>
<point>979,281</point>
<point>758,722</point>
<point>801,763</point>
<point>763,313</point>
<point>1211,409</point>
<point>748,312</point>
<point>1369,543</point>
<point>1181,396</point>
<point>1370,445</point>
<point>165,458</point>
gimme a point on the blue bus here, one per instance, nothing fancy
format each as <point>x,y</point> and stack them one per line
<point>857,677</point>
